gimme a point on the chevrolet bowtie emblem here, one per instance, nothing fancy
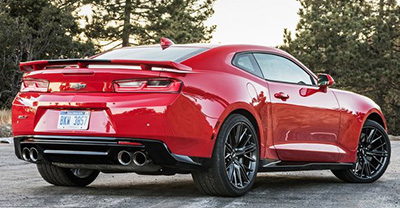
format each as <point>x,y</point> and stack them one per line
<point>77,86</point>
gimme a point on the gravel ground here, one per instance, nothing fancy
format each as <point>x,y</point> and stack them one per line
<point>21,186</point>
<point>5,131</point>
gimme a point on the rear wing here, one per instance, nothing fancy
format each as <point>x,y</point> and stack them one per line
<point>84,63</point>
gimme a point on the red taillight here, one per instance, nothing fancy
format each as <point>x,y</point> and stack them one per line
<point>148,85</point>
<point>34,85</point>
<point>130,143</point>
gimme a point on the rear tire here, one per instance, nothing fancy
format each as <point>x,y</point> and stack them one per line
<point>373,155</point>
<point>235,160</point>
<point>65,176</point>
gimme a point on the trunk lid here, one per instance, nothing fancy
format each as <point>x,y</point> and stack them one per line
<point>87,79</point>
<point>91,75</point>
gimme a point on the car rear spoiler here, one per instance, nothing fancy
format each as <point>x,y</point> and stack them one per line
<point>84,63</point>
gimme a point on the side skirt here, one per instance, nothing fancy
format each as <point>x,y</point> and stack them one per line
<point>277,166</point>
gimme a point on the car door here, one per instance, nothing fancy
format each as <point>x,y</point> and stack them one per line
<point>305,120</point>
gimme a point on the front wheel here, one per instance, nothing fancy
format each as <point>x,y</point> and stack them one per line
<point>65,176</point>
<point>373,155</point>
<point>235,160</point>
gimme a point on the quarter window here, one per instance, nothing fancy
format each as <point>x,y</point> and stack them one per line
<point>247,62</point>
<point>277,68</point>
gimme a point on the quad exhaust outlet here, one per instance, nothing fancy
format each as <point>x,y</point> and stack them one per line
<point>30,155</point>
<point>138,158</point>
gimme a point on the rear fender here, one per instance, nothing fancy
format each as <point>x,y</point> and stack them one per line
<point>262,129</point>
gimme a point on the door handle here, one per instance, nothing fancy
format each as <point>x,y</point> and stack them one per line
<point>281,95</point>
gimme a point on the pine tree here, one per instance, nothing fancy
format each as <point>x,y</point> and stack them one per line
<point>34,30</point>
<point>146,21</point>
<point>358,43</point>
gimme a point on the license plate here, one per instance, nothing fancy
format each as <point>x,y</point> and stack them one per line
<point>73,120</point>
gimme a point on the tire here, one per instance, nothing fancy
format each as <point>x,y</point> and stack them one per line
<point>238,162</point>
<point>373,147</point>
<point>66,177</point>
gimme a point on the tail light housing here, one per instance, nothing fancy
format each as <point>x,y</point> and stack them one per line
<point>34,85</point>
<point>148,85</point>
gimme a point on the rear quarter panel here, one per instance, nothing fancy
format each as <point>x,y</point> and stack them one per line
<point>217,89</point>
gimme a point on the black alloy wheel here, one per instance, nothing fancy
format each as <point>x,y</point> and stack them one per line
<point>373,155</point>
<point>235,160</point>
<point>240,155</point>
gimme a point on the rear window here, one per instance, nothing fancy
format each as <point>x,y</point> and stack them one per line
<point>176,54</point>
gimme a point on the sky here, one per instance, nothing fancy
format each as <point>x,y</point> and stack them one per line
<point>258,22</point>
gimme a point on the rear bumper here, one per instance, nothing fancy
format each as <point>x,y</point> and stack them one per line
<point>102,153</point>
<point>173,119</point>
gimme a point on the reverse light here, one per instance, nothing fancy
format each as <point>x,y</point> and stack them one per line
<point>34,85</point>
<point>148,85</point>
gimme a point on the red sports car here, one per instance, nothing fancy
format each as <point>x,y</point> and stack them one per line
<point>221,113</point>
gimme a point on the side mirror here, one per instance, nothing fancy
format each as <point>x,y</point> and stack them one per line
<point>325,80</point>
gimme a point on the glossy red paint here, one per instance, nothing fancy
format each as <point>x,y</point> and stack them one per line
<point>165,43</point>
<point>294,122</point>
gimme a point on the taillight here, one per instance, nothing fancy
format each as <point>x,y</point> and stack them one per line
<point>148,85</point>
<point>34,85</point>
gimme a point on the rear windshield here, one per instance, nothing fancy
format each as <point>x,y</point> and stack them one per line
<point>176,54</point>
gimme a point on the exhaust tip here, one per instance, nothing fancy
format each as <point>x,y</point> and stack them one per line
<point>26,154</point>
<point>34,154</point>
<point>124,157</point>
<point>139,158</point>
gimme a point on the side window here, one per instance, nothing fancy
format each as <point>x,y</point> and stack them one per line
<point>277,68</point>
<point>246,62</point>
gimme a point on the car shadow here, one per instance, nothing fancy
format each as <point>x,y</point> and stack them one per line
<point>185,187</point>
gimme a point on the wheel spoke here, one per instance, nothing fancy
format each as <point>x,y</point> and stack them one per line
<point>377,160</point>
<point>369,172</point>
<point>250,148</point>
<point>244,142</point>
<point>250,158</point>
<point>362,169</point>
<point>244,173</point>
<point>371,135</point>
<point>230,171</point>
<point>228,147</point>
<point>239,175</point>
<point>356,167</point>
<point>379,146</point>
<point>375,168</point>
<point>241,137</point>
<point>362,137</point>
<point>376,153</point>
<point>237,135</point>
<point>229,164</point>
<point>245,150</point>
<point>234,176</point>
<point>376,139</point>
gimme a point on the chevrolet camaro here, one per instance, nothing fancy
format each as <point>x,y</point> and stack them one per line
<point>222,113</point>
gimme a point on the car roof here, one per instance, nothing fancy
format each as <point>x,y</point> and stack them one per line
<point>230,47</point>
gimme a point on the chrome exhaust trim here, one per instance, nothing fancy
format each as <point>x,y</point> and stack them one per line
<point>26,154</point>
<point>34,154</point>
<point>140,158</point>
<point>124,157</point>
